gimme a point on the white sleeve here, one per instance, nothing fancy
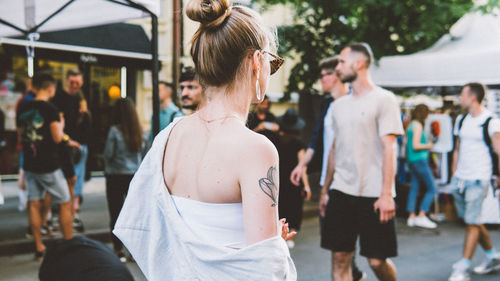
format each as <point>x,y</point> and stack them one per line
<point>494,126</point>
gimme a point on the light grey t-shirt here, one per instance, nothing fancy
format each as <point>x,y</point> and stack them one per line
<point>359,123</point>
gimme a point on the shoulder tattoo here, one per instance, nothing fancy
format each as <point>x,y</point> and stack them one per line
<point>268,186</point>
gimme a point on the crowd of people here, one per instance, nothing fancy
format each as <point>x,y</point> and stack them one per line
<point>220,190</point>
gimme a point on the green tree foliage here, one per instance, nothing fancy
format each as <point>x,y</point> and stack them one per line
<point>391,27</point>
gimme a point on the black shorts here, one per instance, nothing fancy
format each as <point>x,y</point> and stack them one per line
<point>347,217</point>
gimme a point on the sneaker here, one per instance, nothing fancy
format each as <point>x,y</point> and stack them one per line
<point>488,265</point>
<point>78,224</point>
<point>411,222</point>
<point>53,222</point>
<point>459,272</point>
<point>290,244</point>
<point>50,226</point>
<point>459,276</point>
<point>45,231</point>
<point>425,222</point>
<point>362,276</point>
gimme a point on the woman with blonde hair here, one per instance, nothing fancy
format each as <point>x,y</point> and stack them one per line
<point>203,204</point>
<point>417,155</point>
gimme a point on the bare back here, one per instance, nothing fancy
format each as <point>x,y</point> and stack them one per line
<point>201,159</point>
<point>224,162</point>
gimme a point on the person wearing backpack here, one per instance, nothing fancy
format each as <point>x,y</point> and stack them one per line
<point>474,164</point>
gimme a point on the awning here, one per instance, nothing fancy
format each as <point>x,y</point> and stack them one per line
<point>107,44</point>
<point>470,52</point>
<point>30,16</point>
<point>71,14</point>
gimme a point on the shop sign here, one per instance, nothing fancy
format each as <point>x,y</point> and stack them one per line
<point>88,58</point>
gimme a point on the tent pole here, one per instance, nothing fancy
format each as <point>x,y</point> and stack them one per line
<point>13,26</point>
<point>155,71</point>
<point>34,29</point>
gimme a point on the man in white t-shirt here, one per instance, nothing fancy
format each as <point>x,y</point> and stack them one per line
<point>472,173</point>
<point>357,198</point>
<point>322,139</point>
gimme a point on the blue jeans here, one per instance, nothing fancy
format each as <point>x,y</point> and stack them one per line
<point>80,170</point>
<point>420,173</point>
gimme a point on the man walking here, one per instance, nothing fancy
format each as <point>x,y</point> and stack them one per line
<point>168,110</point>
<point>41,130</point>
<point>357,196</point>
<point>478,137</point>
<point>322,138</point>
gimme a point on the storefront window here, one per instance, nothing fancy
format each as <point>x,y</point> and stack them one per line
<point>97,82</point>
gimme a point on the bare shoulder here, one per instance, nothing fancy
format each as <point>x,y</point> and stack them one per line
<point>254,147</point>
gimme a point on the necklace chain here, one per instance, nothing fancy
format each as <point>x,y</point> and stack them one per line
<point>218,119</point>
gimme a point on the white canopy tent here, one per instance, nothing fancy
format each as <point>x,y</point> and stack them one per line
<point>28,17</point>
<point>470,52</point>
<point>18,17</point>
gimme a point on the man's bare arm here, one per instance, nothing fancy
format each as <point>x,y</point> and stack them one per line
<point>496,147</point>
<point>303,162</point>
<point>56,130</point>
<point>330,171</point>
<point>385,203</point>
<point>454,161</point>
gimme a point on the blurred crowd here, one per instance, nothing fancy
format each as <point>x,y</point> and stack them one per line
<point>54,132</point>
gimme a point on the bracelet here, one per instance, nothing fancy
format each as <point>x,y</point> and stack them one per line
<point>65,138</point>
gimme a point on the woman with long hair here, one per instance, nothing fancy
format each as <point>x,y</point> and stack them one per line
<point>122,156</point>
<point>417,155</point>
<point>203,205</point>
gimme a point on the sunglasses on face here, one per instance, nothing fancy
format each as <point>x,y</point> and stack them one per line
<point>275,63</point>
<point>321,75</point>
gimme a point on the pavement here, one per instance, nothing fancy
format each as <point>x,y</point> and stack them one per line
<point>424,255</point>
<point>93,213</point>
<point>14,223</point>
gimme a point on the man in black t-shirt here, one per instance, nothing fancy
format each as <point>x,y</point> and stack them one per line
<point>40,131</point>
<point>77,127</point>
<point>263,121</point>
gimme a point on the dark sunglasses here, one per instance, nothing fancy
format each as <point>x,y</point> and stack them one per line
<point>321,75</point>
<point>275,63</point>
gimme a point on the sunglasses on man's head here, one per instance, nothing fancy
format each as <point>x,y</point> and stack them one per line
<point>275,63</point>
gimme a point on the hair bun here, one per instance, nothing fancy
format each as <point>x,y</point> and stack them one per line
<point>210,13</point>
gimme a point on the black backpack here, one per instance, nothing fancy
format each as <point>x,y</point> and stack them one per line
<point>487,141</point>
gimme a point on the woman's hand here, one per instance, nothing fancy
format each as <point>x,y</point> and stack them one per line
<point>285,231</point>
